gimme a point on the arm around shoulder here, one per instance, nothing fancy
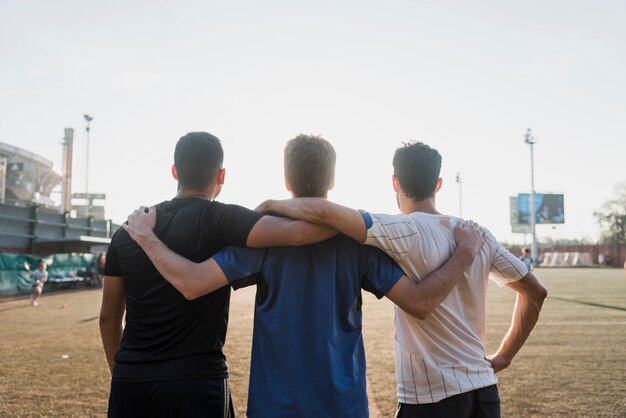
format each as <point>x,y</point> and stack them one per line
<point>275,231</point>
<point>320,211</point>
<point>421,299</point>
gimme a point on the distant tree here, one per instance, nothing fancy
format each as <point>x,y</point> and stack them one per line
<point>612,216</point>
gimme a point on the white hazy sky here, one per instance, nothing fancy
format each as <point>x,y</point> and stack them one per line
<point>467,78</point>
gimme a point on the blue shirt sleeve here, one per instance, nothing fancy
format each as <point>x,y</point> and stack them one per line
<point>367,218</point>
<point>242,266</point>
<point>380,272</point>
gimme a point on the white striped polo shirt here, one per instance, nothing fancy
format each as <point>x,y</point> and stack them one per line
<point>443,355</point>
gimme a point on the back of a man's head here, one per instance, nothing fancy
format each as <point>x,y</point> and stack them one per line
<point>310,165</point>
<point>198,158</point>
<point>417,167</point>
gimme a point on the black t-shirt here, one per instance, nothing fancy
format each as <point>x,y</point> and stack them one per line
<point>167,336</point>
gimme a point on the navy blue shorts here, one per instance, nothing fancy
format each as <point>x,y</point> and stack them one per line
<point>171,398</point>
<point>479,403</point>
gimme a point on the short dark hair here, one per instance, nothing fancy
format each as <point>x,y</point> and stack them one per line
<point>417,167</point>
<point>310,165</point>
<point>198,157</point>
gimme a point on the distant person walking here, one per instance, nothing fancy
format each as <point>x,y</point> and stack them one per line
<point>527,258</point>
<point>39,277</point>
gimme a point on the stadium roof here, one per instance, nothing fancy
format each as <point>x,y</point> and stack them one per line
<point>80,244</point>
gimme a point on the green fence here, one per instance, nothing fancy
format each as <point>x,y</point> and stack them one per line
<point>15,277</point>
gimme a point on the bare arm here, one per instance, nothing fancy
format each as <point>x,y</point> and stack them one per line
<point>275,231</point>
<point>530,297</point>
<point>421,299</point>
<point>320,211</point>
<point>189,278</point>
<point>111,315</point>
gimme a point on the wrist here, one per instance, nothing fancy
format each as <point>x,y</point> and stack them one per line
<point>466,252</point>
<point>504,358</point>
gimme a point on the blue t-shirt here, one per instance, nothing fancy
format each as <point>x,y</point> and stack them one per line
<point>308,358</point>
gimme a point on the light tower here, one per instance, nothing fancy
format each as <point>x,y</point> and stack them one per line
<point>88,119</point>
<point>530,140</point>
<point>459,182</point>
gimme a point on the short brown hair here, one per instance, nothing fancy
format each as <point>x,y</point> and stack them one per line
<point>309,165</point>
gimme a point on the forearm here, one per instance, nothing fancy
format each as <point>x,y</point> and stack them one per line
<point>421,299</point>
<point>111,334</point>
<point>305,208</point>
<point>111,316</point>
<point>277,231</point>
<point>320,211</point>
<point>525,316</point>
<point>435,287</point>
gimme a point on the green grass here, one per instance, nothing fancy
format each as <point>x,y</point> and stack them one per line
<point>574,363</point>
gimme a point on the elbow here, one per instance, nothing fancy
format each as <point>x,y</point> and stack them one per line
<point>537,295</point>
<point>422,315</point>
<point>420,312</point>
<point>105,321</point>
<point>541,294</point>
<point>301,238</point>
<point>190,294</point>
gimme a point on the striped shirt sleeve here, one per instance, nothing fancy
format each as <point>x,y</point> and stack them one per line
<point>505,267</point>
<point>390,233</point>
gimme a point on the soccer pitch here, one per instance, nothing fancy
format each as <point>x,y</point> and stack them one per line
<point>574,364</point>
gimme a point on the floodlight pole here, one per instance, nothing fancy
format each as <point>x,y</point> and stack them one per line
<point>88,119</point>
<point>530,140</point>
<point>458,180</point>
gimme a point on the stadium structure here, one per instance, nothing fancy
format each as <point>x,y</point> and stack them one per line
<point>30,219</point>
<point>26,178</point>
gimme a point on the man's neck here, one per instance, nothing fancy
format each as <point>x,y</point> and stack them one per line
<point>408,206</point>
<point>203,194</point>
<point>295,196</point>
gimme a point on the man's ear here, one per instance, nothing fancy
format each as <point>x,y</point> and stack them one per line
<point>396,183</point>
<point>174,172</point>
<point>221,175</point>
<point>287,185</point>
<point>438,186</point>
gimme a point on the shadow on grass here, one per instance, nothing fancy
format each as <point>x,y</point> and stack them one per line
<point>16,307</point>
<point>582,302</point>
<point>89,319</point>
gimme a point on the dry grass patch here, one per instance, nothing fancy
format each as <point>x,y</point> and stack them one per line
<point>573,364</point>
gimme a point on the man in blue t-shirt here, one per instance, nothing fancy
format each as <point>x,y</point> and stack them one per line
<point>308,358</point>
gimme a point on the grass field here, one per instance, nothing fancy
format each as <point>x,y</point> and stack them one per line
<point>574,364</point>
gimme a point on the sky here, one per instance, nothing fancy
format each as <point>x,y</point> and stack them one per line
<point>467,78</point>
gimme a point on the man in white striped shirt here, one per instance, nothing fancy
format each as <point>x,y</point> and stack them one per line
<point>441,366</point>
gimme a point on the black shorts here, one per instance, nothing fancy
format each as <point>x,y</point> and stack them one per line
<point>172,398</point>
<point>479,403</point>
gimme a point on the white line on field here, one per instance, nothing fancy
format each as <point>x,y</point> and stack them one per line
<point>568,323</point>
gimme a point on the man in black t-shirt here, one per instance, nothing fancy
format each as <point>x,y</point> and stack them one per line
<point>168,359</point>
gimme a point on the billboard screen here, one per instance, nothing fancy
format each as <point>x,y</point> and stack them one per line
<point>516,227</point>
<point>549,208</point>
